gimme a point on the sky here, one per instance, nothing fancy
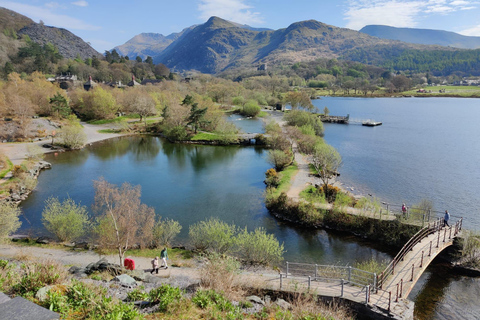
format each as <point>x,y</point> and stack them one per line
<point>107,23</point>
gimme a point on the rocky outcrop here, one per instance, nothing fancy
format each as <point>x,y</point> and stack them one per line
<point>19,195</point>
<point>68,44</point>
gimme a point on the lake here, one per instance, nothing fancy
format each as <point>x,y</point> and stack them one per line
<point>188,183</point>
<point>426,148</point>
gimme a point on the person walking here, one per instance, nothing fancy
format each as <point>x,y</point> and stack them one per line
<point>404,210</point>
<point>446,218</point>
<point>154,265</point>
<point>164,256</point>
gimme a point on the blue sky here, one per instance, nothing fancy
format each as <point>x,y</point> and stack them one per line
<point>107,23</point>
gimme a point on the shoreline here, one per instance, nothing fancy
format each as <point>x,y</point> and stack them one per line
<point>17,151</point>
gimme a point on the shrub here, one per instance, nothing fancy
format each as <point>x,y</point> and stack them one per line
<point>330,192</point>
<point>136,295</point>
<point>66,220</point>
<point>9,222</point>
<point>177,133</point>
<point>259,247</point>
<point>373,265</point>
<point>271,178</point>
<point>72,136</point>
<point>251,109</point>
<point>219,272</point>
<point>342,200</point>
<point>212,235</point>
<point>279,159</point>
<point>165,231</point>
<point>38,275</point>
<point>165,295</point>
<point>301,118</point>
<point>206,298</point>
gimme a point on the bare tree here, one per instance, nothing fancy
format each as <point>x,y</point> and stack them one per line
<point>140,102</point>
<point>123,221</point>
<point>326,160</point>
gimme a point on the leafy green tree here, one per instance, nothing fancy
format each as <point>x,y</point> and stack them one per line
<point>9,222</point>
<point>165,231</point>
<point>67,220</point>
<point>251,109</point>
<point>279,159</point>
<point>149,60</point>
<point>197,116</point>
<point>259,247</point>
<point>72,135</point>
<point>299,99</point>
<point>326,160</point>
<point>60,105</point>
<point>212,235</point>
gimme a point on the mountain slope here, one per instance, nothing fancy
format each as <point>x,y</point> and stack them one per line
<point>219,44</point>
<point>14,25</point>
<point>68,44</point>
<point>423,36</point>
<point>148,44</point>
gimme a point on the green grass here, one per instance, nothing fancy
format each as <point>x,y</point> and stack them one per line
<point>262,114</point>
<point>311,194</point>
<point>9,167</point>
<point>460,91</point>
<point>105,121</point>
<point>286,179</point>
<point>312,169</point>
<point>110,131</point>
<point>206,136</point>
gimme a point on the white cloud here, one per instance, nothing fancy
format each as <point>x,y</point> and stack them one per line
<point>48,17</point>
<point>399,13</point>
<point>81,3</point>
<point>233,10</point>
<point>473,31</point>
<point>53,5</point>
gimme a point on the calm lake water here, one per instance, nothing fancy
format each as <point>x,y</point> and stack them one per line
<point>189,183</point>
<point>426,148</point>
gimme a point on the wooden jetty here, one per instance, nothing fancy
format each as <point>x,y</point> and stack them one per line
<point>334,119</point>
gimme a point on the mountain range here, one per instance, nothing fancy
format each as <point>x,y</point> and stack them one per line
<point>423,36</point>
<point>218,45</point>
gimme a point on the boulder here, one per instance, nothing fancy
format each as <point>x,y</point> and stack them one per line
<point>125,281</point>
<point>42,293</point>
<point>255,299</point>
<point>138,275</point>
<point>283,304</point>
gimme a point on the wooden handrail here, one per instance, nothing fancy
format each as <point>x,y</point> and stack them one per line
<point>419,236</point>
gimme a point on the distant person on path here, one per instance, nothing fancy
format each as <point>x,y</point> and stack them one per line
<point>164,257</point>
<point>404,210</point>
<point>446,218</point>
<point>154,265</point>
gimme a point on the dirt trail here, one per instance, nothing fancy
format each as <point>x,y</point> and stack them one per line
<point>70,257</point>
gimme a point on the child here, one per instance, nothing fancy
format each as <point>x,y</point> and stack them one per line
<point>154,265</point>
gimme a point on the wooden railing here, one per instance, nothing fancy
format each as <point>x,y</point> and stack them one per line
<point>418,237</point>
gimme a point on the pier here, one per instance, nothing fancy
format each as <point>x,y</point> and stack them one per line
<point>335,119</point>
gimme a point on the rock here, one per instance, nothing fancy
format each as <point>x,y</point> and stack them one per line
<point>138,275</point>
<point>255,299</point>
<point>125,281</point>
<point>42,293</point>
<point>152,279</point>
<point>20,308</point>
<point>283,304</point>
<point>20,237</point>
